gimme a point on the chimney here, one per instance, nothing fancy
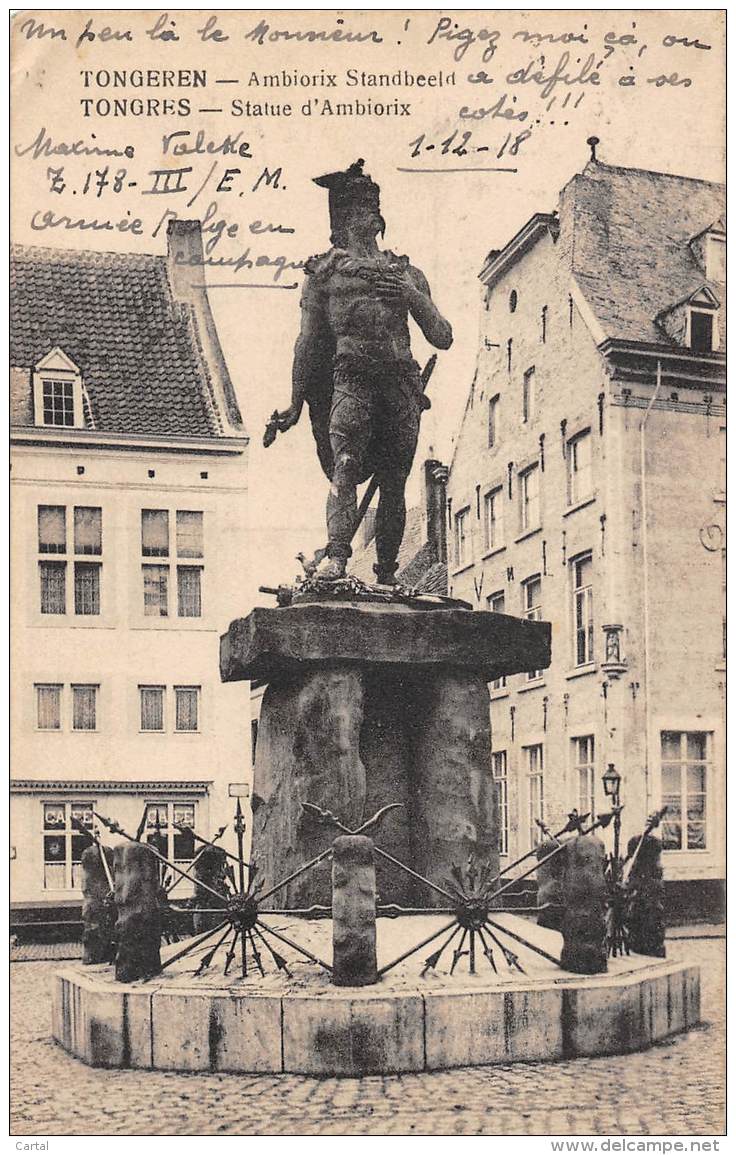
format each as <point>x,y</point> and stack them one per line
<point>185,259</point>
<point>435,491</point>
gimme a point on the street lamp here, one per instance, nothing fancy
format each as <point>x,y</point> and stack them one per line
<point>616,937</point>
<point>612,783</point>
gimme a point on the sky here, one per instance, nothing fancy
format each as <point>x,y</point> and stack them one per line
<point>446,221</point>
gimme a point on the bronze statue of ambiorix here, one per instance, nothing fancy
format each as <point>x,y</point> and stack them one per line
<point>353,366</point>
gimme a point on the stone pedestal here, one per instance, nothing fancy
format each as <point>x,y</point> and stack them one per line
<point>369,704</point>
<point>138,927</point>
<point>353,912</point>
<point>584,897</point>
<point>98,909</point>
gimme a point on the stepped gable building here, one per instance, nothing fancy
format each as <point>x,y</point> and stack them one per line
<point>129,481</point>
<point>587,489</point>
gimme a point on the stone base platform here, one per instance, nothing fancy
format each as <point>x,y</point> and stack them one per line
<point>404,1023</point>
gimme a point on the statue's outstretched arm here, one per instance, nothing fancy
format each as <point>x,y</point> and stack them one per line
<point>307,348</point>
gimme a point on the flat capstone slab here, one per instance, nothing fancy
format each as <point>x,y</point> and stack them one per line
<point>270,642</point>
<point>352,1032</point>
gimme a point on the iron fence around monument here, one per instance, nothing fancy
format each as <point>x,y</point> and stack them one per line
<point>473,893</point>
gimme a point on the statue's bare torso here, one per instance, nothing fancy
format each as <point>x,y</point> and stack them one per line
<point>341,292</point>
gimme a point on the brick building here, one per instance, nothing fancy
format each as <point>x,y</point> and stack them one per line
<point>128,528</point>
<point>587,489</point>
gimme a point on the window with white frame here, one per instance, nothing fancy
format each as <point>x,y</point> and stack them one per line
<point>84,707</point>
<point>163,820</point>
<point>535,785</point>
<point>501,784</point>
<point>152,699</point>
<point>63,844</point>
<point>493,415</point>
<point>52,706</point>
<point>702,326</point>
<point>57,392</point>
<point>186,708</point>
<point>48,705</point>
<point>175,708</point>
<point>529,396</point>
<point>579,467</point>
<point>462,537</point>
<point>493,529</point>
<point>496,603</point>
<point>582,608</point>
<point>59,528</point>
<point>686,761</point>
<point>58,402</point>
<point>531,597</point>
<point>583,755</point>
<point>189,549</point>
<point>155,543</point>
<point>529,507</point>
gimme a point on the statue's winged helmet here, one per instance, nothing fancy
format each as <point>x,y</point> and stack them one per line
<point>346,190</point>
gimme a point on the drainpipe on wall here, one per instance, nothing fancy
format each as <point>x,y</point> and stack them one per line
<point>645,564</point>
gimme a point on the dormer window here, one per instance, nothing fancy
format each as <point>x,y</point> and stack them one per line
<point>709,250</point>
<point>715,257</point>
<point>58,402</point>
<point>57,392</point>
<point>701,330</point>
<point>693,322</point>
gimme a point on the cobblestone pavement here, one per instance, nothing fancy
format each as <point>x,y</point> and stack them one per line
<point>675,1088</point>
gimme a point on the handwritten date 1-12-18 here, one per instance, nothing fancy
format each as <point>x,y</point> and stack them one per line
<point>461,144</point>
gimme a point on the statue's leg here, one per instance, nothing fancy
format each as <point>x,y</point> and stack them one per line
<point>350,430</point>
<point>390,521</point>
<point>400,430</point>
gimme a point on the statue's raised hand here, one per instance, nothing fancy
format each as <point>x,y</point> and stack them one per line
<point>395,286</point>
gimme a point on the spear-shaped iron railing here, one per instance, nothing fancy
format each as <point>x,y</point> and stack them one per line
<point>241,923</point>
<point>475,895</point>
<point>206,844</point>
<point>471,896</point>
<point>619,875</point>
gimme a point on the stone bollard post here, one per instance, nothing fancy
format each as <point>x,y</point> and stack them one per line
<point>549,886</point>
<point>98,909</point>
<point>583,926</point>
<point>645,908</point>
<point>138,927</point>
<point>353,912</point>
<point>210,869</point>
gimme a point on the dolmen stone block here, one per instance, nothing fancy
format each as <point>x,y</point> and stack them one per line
<point>367,704</point>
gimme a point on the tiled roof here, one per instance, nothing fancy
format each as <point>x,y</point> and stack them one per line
<point>631,251</point>
<point>115,316</point>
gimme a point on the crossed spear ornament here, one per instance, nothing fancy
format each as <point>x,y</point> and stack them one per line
<point>472,893</point>
<point>240,906</point>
